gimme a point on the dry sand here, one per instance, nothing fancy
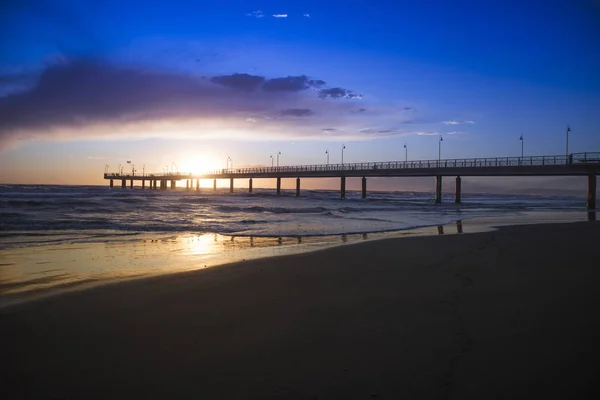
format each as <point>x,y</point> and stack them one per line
<point>506,314</point>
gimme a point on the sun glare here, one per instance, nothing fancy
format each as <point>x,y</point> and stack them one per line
<point>198,165</point>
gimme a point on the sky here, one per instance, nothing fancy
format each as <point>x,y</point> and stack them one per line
<point>189,85</point>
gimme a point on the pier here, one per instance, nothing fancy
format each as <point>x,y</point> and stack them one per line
<point>576,164</point>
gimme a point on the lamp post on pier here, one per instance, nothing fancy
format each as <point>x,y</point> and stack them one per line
<point>405,153</point>
<point>568,130</point>
<point>144,170</point>
<point>271,160</point>
<point>522,141</point>
<point>343,148</point>
<point>327,152</point>
<point>119,169</point>
<point>228,160</point>
<point>278,154</point>
<point>440,149</point>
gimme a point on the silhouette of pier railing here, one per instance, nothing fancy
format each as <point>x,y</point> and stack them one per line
<point>584,164</point>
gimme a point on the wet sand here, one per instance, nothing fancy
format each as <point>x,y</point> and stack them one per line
<point>505,314</point>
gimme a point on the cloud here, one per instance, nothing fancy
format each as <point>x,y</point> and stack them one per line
<point>338,93</point>
<point>255,14</point>
<point>454,122</point>
<point>306,15</point>
<point>239,81</point>
<point>296,112</point>
<point>280,15</point>
<point>85,99</point>
<point>429,133</point>
<point>287,84</point>
<point>454,133</point>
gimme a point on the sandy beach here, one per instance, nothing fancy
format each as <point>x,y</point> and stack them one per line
<point>505,314</point>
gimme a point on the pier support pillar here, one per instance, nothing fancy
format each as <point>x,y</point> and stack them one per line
<point>438,189</point>
<point>297,187</point>
<point>172,185</point>
<point>143,184</point>
<point>591,197</point>
<point>111,183</point>
<point>231,185</point>
<point>131,184</point>
<point>457,190</point>
<point>250,185</point>
<point>163,185</point>
<point>187,184</point>
<point>123,183</point>
<point>343,187</point>
<point>278,185</point>
<point>215,185</point>
<point>198,185</point>
<point>364,187</point>
<point>154,184</point>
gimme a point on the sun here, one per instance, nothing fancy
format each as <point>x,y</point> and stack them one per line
<point>198,165</point>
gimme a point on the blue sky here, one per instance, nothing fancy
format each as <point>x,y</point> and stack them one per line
<point>192,83</point>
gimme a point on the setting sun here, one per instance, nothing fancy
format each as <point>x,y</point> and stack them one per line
<point>198,165</point>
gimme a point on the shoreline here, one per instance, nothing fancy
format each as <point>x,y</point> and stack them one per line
<point>195,252</point>
<point>504,313</point>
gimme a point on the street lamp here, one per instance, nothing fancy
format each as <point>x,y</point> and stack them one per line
<point>343,148</point>
<point>228,160</point>
<point>119,170</point>
<point>144,170</point>
<point>440,148</point>
<point>405,153</point>
<point>132,169</point>
<point>568,130</point>
<point>278,154</point>
<point>522,141</point>
<point>327,152</point>
<point>271,160</point>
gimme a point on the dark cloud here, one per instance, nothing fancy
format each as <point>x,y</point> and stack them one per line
<point>359,110</point>
<point>287,84</point>
<point>338,93</point>
<point>291,84</point>
<point>296,112</point>
<point>239,81</point>
<point>329,129</point>
<point>87,98</point>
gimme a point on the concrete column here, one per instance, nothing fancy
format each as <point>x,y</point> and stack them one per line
<point>343,188</point>
<point>143,184</point>
<point>231,185</point>
<point>154,184</point>
<point>457,190</point>
<point>250,185</point>
<point>131,183</point>
<point>297,187</point>
<point>123,183</point>
<point>172,185</point>
<point>364,187</point>
<point>438,189</point>
<point>591,197</point>
<point>197,184</point>
<point>215,185</point>
<point>187,184</point>
<point>111,183</point>
<point>278,185</point>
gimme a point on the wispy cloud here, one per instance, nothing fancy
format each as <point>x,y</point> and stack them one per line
<point>256,14</point>
<point>456,122</point>
<point>280,15</point>
<point>454,133</point>
<point>306,15</point>
<point>427,133</point>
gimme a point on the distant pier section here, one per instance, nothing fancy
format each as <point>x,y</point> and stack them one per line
<point>576,164</point>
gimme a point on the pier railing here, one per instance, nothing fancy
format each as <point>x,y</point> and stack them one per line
<point>531,161</point>
<point>577,158</point>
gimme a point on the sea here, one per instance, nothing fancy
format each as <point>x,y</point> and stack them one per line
<point>41,214</point>
<point>61,238</point>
